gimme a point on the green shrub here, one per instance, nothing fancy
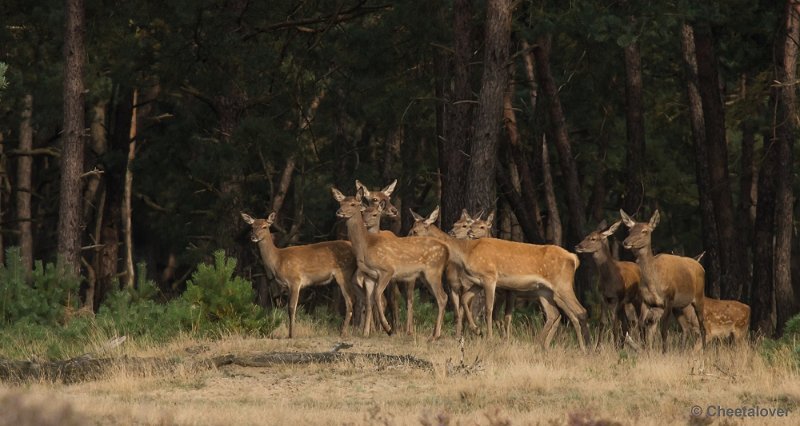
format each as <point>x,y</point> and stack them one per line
<point>42,298</point>
<point>218,301</point>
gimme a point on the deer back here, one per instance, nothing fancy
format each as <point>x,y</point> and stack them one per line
<point>724,317</point>
<point>520,262</point>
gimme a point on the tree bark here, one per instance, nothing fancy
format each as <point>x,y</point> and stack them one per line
<point>569,169</point>
<point>24,188</point>
<point>2,192</point>
<point>634,114</point>
<point>481,188</point>
<point>519,161</point>
<point>786,132</point>
<point>732,259</point>
<point>454,143</point>
<point>69,223</point>
<point>127,208</point>
<point>554,228</point>
<point>708,222</point>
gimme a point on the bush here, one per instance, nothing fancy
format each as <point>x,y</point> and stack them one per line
<point>221,302</point>
<point>43,298</point>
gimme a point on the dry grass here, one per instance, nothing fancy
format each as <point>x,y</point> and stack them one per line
<point>520,384</point>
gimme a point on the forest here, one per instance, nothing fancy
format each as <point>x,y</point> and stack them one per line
<point>137,132</point>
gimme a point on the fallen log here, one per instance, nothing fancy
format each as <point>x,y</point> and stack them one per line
<point>86,367</point>
<point>280,358</point>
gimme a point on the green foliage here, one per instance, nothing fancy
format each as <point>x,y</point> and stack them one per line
<point>221,302</point>
<point>43,298</point>
<point>3,81</point>
<point>787,346</point>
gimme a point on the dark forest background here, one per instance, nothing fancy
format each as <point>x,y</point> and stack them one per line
<point>137,131</point>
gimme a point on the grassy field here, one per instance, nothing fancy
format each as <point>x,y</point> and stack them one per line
<point>518,383</point>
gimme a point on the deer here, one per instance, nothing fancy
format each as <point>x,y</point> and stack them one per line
<point>668,282</point>
<point>545,269</point>
<point>724,320</point>
<point>619,282</point>
<point>304,266</point>
<point>381,257</point>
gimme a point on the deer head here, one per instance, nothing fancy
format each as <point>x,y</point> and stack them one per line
<point>372,217</point>
<point>382,198</point>
<point>461,226</point>
<point>598,239</point>
<point>640,233</point>
<point>260,227</point>
<point>349,206</point>
<point>422,225</point>
<point>481,228</point>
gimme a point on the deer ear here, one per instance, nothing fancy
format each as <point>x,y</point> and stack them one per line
<point>464,215</point>
<point>655,219</point>
<point>602,226</point>
<point>361,193</point>
<point>611,230</point>
<point>389,188</point>
<point>361,187</point>
<point>626,219</point>
<point>337,195</point>
<point>480,213</point>
<point>249,220</point>
<point>490,219</point>
<point>417,218</point>
<point>433,216</point>
<point>271,218</point>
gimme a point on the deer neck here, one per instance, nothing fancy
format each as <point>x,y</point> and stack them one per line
<point>609,274</point>
<point>457,248</point>
<point>646,262</point>
<point>270,254</point>
<point>357,233</point>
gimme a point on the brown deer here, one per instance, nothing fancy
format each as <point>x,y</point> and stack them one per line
<point>724,319</point>
<point>668,283</point>
<point>548,270</point>
<point>382,257</point>
<point>372,219</point>
<point>619,282</point>
<point>304,266</point>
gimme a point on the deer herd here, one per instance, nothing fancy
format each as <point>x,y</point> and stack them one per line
<point>637,297</point>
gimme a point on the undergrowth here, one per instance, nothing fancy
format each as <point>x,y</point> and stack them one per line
<point>40,315</point>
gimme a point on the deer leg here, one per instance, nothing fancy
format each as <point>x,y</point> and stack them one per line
<point>631,319</point>
<point>383,282</point>
<point>294,297</point>
<point>434,281</point>
<point>489,288</point>
<point>552,320</point>
<point>621,318</point>
<point>410,284</point>
<point>394,300</point>
<point>698,310</point>
<point>603,319</point>
<point>665,324</point>
<point>369,292</point>
<point>466,305</point>
<point>345,286</point>
<point>509,312</point>
<point>577,314</point>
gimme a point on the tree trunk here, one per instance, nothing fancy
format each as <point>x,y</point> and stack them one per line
<point>554,228</point>
<point>634,114</point>
<point>69,224</point>
<point>708,222</point>
<point>24,188</point>
<point>519,161</point>
<point>481,176</point>
<point>2,193</point>
<point>747,194</point>
<point>732,260</point>
<point>127,208</point>
<point>454,143</point>
<point>785,132</point>
<point>568,167</point>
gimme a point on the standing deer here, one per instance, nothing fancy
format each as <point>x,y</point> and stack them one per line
<point>548,270</point>
<point>619,282</point>
<point>382,257</point>
<point>303,266</point>
<point>668,282</point>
